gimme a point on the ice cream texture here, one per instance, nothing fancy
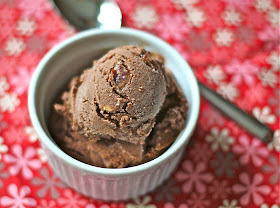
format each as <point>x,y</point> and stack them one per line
<point>124,111</point>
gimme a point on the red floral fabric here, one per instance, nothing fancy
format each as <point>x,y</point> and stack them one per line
<point>233,47</point>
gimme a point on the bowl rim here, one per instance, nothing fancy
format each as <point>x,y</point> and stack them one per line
<point>46,141</point>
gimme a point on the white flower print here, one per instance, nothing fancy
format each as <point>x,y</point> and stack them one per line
<point>268,78</point>
<point>9,102</point>
<point>18,197</point>
<point>229,204</point>
<point>267,206</point>
<point>3,147</point>
<point>251,189</point>
<point>14,46</point>
<point>145,17</point>
<point>23,161</point>
<point>71,199</point>
<point>42,154</point>
<point>274,60</point>
<point>4,85</point>
<point>220,139</point>
<point>275,142</point>
<point>242,71</point>
<point>228,91</point>
<point>215,74</point>
<point>264,115</point>
<point>30,131</point>
<point>194,176</point>
<point>273,17</point>
<point>232,17</point>
<point>195,16</point>
<point>183,4</point>
<point>144,203</point>
<point>250,151</point>
<point>223,37</point>
<point>26,26</point>
<point>263,5</point>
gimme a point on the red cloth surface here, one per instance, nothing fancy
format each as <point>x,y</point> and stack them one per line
<point>233,47</point>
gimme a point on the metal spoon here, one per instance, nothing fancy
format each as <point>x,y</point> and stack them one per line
<point>86,14</point>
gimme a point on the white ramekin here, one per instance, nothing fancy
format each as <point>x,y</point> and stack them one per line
<point>70,58</point>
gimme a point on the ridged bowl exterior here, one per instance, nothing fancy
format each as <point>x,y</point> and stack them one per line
<point>113,188</point>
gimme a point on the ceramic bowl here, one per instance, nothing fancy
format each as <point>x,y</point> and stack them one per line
<point>69,58</point>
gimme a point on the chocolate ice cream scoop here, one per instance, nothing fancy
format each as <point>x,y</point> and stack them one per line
<point>109,152</point>
<point>119,97</point>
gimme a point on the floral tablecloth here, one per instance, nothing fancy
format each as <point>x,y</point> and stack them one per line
<point>233,47</point>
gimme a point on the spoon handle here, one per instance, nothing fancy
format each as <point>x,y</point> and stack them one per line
<point>245,120</point>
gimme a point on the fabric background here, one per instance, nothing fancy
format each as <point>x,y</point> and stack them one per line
<point>233,47</point>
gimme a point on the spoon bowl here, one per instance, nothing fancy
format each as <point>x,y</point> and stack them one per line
<point>86,14</point>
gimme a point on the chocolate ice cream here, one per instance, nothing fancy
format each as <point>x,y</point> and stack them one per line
<point>124,111</point>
